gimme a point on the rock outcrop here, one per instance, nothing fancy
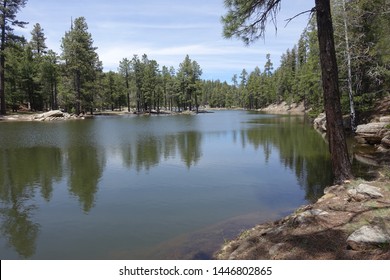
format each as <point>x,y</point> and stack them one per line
<point>319,123</point>
<point>285,108</point>
<point>373,133</point>
<point>54,115</point>
<point>377,135</point>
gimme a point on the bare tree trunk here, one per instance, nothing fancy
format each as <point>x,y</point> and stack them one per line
<point>128,92</point>
<point>78,93</point>
<point>337,143</point>
<point>349,67</point>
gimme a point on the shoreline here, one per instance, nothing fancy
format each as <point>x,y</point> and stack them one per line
<point>57,115</point>
<point>285,108</point>
<point>325,229</point>
<point>350,221</point>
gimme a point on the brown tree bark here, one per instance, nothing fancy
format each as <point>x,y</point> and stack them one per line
<point>3,107</point>
<point>335,128</point>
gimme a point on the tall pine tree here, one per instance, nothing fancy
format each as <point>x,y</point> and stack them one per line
<point>8,11</point>
<point>81,63</point>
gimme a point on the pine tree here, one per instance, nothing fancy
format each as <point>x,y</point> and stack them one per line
<point>81,63</point>
<point>38,40</point>
<point>8,11</point>
<point>125,71</point>
<point>189,73</point>
<point>50,77</point>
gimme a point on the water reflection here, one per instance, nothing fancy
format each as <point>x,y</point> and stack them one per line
<point>149,151</point>
<point>75,154</point>
<point>85,165</point>
<point>300,149</point>
<point>19,189</point>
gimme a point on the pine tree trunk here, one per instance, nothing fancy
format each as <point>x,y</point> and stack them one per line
<point>337,143</point>
<point>3,107</point>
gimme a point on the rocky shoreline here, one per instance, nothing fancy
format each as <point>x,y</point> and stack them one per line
<point>285,108</point>
<point>373,136</point>
<point>351,221</point>
<point>55,115</point>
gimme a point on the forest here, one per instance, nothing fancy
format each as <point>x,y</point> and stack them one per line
<point>36,78</point>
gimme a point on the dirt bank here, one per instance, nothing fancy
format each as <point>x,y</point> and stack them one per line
<point>325,229</point>
<point>285,108</point>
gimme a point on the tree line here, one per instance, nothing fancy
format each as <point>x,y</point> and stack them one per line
<point>247,21</point>
<point>362,42</point>
<point>35,78</point>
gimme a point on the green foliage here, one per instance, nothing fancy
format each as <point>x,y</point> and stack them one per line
<point>188,75</point>
<point>38,79</point>
<point>37,43</point>
<point>8,11</point>
<point>367,28</point>
<point>247,19</point>
<point>81,64</point>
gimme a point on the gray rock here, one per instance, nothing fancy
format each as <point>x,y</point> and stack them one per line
<point>385,119</point>
<point>320,122</point>
<point>367,237</point>
<point>385,142</point>
<point>364,192</point>
<point>372,133</point>
<point>371,128</point>
<point>54,115</point>
<point>368,190</point>
<point>307,216</point>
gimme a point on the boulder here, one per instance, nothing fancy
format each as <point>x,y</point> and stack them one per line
<point>54,115</point>
<point>385,119</point>
<point>368,237</point>
<point>372,133</point>
<point>371,128</point>
<point>385,142</point>
<point>307,216</point>
<point>364,191</point>
<point>320,122</point>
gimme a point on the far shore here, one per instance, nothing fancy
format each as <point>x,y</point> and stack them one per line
<point>280,108</point>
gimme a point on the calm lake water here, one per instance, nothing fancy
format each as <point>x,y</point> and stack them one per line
<point>151,187</point>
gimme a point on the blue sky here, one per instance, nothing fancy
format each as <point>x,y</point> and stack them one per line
<point>166,30</point>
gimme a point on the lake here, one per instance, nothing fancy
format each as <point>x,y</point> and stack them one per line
<point>151,187</point>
